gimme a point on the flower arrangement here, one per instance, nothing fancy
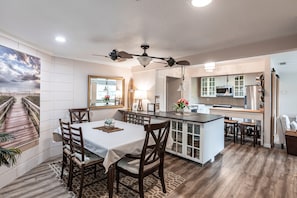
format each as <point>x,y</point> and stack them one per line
<point>181,104</point>
<point>109,123</point>
<point>106,98</point>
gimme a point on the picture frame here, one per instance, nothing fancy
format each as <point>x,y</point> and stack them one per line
<point>151,107</point>
<point>134,106</point>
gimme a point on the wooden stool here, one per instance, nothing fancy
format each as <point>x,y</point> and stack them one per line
<point>234,126</point>
<point>254,128</point>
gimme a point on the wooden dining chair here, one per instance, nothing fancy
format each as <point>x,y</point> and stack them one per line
<point>82,158</point>
<point>136,118</point>
<point>79,115</point>
<point>143,119</point>
<point>129,117</point>
<point>150,160</point>
<point>67,154</point>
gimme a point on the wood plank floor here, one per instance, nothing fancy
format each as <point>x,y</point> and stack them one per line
<point>240,171</point>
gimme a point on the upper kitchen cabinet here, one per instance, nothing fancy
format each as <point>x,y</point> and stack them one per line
<point>208,87</point>
<point>239,86</point>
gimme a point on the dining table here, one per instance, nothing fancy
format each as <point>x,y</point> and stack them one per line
<point>112,146</point>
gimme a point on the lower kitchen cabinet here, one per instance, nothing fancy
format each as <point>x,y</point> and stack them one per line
<point>199,142</point>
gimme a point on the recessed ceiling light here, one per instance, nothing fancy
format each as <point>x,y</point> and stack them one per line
<point>200,3</point>
<point>60,39</point>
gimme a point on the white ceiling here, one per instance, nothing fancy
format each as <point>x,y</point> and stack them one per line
<point>171,27</point>
<point>285,62</point>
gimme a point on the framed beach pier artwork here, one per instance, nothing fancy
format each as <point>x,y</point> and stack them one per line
<point>19,98</point>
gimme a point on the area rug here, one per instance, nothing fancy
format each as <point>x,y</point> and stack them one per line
<point>152,185</point>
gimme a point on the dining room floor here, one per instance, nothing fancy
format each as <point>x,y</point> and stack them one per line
<point>239,171</point>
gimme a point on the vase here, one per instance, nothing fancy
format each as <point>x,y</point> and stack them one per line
<point>179,111</point>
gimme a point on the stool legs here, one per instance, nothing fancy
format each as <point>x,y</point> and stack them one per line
<point>254,129</point>
<point>234,130</point>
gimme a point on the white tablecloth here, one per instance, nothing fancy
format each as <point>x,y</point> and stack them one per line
<point>113,146</point>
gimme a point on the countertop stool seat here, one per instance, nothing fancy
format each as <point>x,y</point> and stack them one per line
<point>253,128</point>
<point>233,124</point>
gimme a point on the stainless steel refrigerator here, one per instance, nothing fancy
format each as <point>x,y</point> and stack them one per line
<point>253,97</point>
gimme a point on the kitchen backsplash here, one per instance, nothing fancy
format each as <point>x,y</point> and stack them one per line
<point>238,102</point>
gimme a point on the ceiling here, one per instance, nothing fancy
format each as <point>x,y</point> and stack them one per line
<point>171,27</point>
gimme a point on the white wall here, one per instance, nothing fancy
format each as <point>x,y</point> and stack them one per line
<point>63,86</point>
<point>288,94</point>
<point>145,80</point>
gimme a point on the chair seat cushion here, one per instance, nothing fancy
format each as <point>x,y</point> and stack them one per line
<point>132,165</point>
<point>90,158</point>
<point>66,150</point>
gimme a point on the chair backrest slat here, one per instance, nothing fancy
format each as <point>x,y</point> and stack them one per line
<point>79,115</point>
<point>77,143</point>
<point>65,130</point>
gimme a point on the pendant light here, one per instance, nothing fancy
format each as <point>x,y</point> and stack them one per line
<point>181,85</point>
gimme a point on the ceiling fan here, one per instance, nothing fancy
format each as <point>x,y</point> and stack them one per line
<point>144,59</point>
<point>116,55</point>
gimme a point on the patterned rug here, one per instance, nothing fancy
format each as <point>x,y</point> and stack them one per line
<point>152,185</point>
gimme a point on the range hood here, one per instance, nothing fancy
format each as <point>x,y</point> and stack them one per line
<point>225,90</point>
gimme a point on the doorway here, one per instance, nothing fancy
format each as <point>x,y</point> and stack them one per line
<point>172,95</point>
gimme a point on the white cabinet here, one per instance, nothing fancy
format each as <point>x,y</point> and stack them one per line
<point>208,87</point>
<point>199,142</point>
<point>193,141</point>
<point>239,86</point>
<point>177,136</point>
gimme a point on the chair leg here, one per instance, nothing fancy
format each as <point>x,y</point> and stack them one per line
<point>140,185</point>
<point>64,162</point>
<point>70,178</point>
<point>118,180</point>
<point>81,181</point>
<point>69,173</point>
<point>161,175</point>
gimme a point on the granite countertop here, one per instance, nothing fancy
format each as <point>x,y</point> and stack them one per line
<point>186,116</point>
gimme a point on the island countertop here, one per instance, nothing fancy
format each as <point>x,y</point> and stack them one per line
<point>186,116</point>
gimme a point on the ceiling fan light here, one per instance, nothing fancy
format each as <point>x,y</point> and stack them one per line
<point>200,3</point>
<point>144,60</point>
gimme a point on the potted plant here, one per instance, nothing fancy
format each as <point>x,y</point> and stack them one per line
<point>8,155</point>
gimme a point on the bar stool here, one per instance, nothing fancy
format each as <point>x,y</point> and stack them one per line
<point>233,124</point>
<point>254,128</point>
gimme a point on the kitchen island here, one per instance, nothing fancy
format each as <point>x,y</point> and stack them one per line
<point>197,137</point>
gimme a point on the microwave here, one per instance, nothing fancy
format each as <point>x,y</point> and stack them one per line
<point>224,91</point>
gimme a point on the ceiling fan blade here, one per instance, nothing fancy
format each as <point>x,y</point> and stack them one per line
<point>105,56</point>
<point>124,54</point>
<point>183,62</point>
<point>159,62</point>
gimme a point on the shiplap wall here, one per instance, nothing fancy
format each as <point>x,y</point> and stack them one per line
<point>63,86</point>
